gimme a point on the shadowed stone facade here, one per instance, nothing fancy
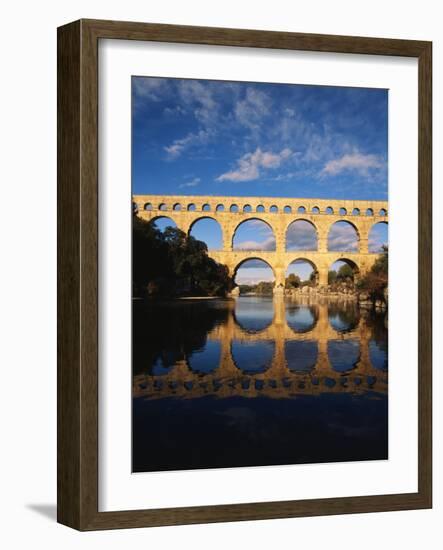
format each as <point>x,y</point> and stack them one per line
<point>278,214</point>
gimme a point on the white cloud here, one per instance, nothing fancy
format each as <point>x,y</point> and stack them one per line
<point>200,97</point>
<point>150,88</point>
<point>194,182</point>
<point>268,244</point>
<point>249,165</point>
<point>179,145</point>
<point>250,110</point>
<point>353,161</point>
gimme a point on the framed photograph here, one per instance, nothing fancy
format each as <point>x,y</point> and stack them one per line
<point>244,275</point>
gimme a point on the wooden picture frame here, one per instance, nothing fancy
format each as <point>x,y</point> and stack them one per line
<point>78,274</point>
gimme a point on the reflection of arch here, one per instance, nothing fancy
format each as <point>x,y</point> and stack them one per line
<point>301,318</point>
<point>293,227</point>
<point>301,355</point>
<point>310,262</point>
<point>252,357</point>
<point>343,355</point>
<point>253,317</point>
<point>356,231</point>
<point>218,237</point>
<point>343,318</point>
<point>372,248</point>
<point>206,359</point>
<point>248,221</point>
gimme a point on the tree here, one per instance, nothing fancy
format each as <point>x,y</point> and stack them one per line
<point>292,281</point>
<point>345,272</point>
<point>172,263</point>
<point>332,277</point>
<point>375,282</point>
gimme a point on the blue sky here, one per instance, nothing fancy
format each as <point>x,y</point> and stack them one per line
<point>196,137</point>
<point>234,138</point>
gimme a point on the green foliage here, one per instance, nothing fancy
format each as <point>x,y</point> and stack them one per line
<point>376,281</point>
<point>264,287</point>
<point>345,272</point>
<point>173,263</point>
<point>292,281</point>
<point>332,277</point>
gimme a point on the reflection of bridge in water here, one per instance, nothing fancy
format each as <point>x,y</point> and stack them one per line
<point>280,378</point>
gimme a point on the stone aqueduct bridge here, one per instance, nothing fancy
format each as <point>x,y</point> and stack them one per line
<point>278,213</point>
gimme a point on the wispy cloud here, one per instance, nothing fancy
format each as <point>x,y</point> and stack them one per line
<point>178,146</point>
<point>301,235</point>
<point>343,238</point>
<point>152,89</point>
<point>267,244</point>
<point>353,161</point>
<point>192,183</point>
<point>250,164</point>
<point>250,111</point>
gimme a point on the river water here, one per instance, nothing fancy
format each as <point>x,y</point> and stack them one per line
<point>256,381</point>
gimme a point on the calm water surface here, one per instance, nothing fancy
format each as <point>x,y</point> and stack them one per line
<point>257,381</point>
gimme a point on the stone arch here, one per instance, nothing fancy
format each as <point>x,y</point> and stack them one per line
<point>214,242</point>
<point>310,238</point>
<point>233,208</point>
<point>191,207</point>
<point>206,207</point>
<point>369,212</point>
<point>301,210</point>
<point>162,206</point>
<point>351,263</point>
<point>329,210</point>
<point>342,211</point>
<point>249,258</point>
<point>303,259</point>
<point>315,210</point>
<point>273,209</point>
<point>338,232</point>
<point>177,207</point>
<point>375,235</point>
<point>260,208</point>
<point>247,208</point>
<point>287,209</point>
<point>148,206</point>
<point>356,212</point>
<point>163,220</point>
<point>250,221</point>
<point>220,208</point>
<point>383,212</point>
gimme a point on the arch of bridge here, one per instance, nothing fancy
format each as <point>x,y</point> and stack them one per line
<point>279,259</point>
